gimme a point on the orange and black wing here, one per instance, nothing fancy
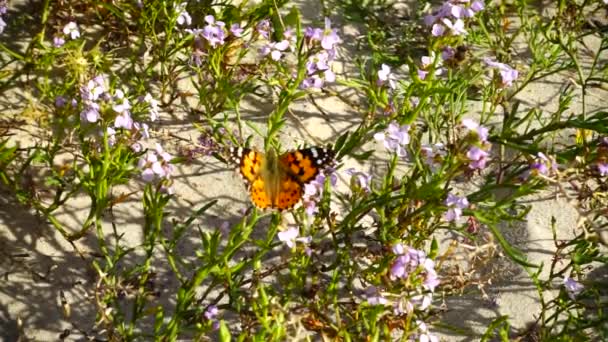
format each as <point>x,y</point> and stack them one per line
<point>249,162</point>
<point>305,164</point>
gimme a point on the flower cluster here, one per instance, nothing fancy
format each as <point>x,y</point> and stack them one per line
<point>478,153</point>
<point>409,261</point>
<point>449,18</point>
<point>3,10</point>
<point>395,138</point>
<point>313,192</point>
<point>156,165</point>
<point>211,36</point>
<point>455,205</point>
<point>409,265</point>
<point>507,74</point>
<point>99,104</point>
<point>318,65</point>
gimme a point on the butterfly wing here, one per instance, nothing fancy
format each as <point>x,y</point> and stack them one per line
<point>296,169</point>
<point>258,194</point>
<point>249,164</point>
<point>305,164</point>
<point>290,192</point>
<point>248,161</point>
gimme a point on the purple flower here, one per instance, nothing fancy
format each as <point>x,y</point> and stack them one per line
<point>142,129</point>
<point>478,158</point>
<point>214,31</point>
<point>313,191</point>
<point>573,288</point>
<point>477,6</point>
<point>507,74</point>
<point>398,249</point>
<point>123,120</point>
<point>385,75</point>
<point>111,136</point>
<point>359,180</point>
<point>236,30</point>
<point>395,138</point>
<point>426,63</point>
<point>433,155</point>
<point>2,25</point>
<point>422,301</point>
<point>121,103</point>
<point>542,165</point>
<point>330,36</point>
<point>455,205</point>
<point>211,312</point>
<point>183,17</point>
<point>313,33</point>
<point>264,28</point>
<point>60,101</point>
<point>71,30</point>
<point>447,53</point>
<point>602,167</point>
<point>94,89</point>
<point>477,129</point>
<point>456,28</point>
<point>90,113</point>
<point>58,41</point>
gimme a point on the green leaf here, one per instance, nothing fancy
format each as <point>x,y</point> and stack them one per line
<point>293,19</point>
<point>224,332</point>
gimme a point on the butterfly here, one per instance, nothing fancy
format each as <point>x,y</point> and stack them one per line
<point>277,181</point>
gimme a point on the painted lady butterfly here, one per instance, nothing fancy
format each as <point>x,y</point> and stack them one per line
<point>277,181</point>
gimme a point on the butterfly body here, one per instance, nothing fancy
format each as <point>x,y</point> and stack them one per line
<point>277,181</point>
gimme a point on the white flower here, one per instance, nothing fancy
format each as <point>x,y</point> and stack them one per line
<point>71,30</point>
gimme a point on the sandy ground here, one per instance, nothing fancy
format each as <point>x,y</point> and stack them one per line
<point>38,267</point>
